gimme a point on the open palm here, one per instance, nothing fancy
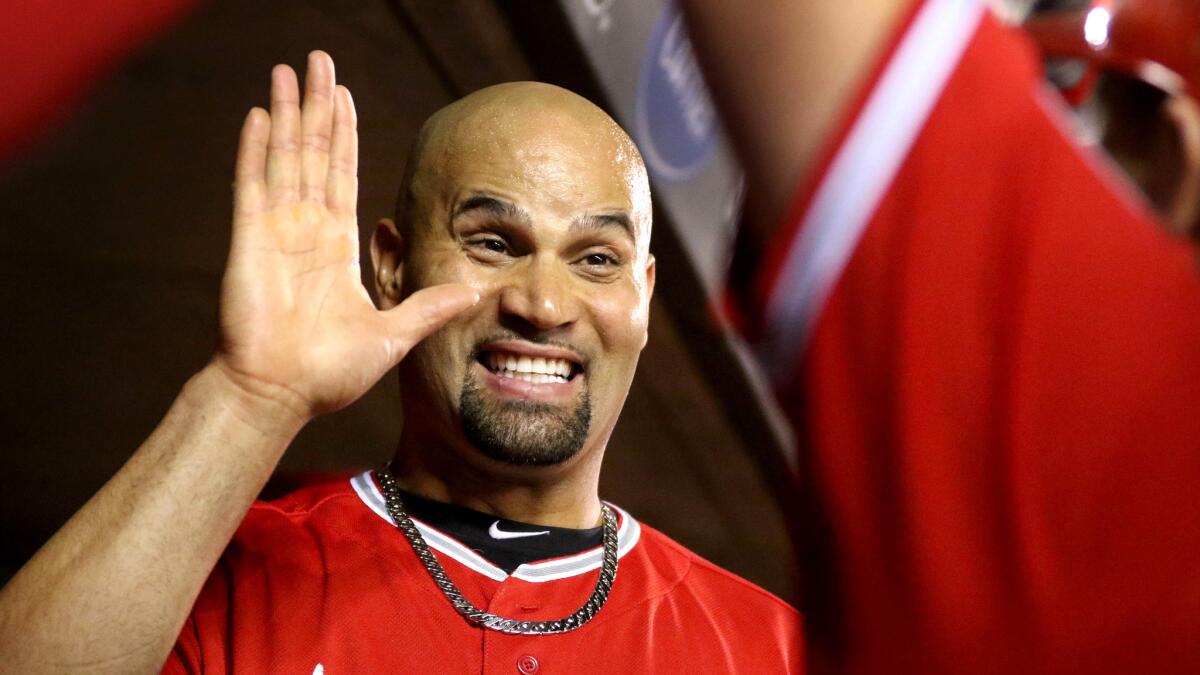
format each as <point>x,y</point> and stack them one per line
<point>296,323</point>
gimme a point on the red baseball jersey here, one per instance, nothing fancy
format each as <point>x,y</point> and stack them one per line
<point>991,353</point>
<point>322,582</point>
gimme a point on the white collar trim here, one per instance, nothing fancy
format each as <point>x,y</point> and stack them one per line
<point>628,534</point>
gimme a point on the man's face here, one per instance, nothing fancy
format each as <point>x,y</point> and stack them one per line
<point>546,213</point>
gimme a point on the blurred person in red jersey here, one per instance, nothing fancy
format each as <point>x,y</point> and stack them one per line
<point>985,337</point>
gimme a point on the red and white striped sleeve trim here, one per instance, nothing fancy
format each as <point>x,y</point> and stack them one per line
<point>860,173</point>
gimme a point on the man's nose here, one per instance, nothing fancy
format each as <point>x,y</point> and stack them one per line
<point>539,294</point>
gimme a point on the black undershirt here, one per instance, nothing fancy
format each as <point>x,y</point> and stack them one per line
<point>472,527</point>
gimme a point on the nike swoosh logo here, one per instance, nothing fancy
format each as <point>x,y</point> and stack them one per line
<point>498,533</point>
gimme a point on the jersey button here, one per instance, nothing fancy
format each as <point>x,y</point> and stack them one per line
<point>527,665</point>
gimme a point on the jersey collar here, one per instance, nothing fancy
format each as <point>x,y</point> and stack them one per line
<point>628,533</point>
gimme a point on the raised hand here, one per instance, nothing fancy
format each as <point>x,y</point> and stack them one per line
<point>297,326</point>
<point>299,336</point>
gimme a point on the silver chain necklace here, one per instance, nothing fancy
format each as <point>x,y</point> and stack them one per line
<point>608,572</point>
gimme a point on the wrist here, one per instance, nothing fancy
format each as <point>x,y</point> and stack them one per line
<point>270,410</point>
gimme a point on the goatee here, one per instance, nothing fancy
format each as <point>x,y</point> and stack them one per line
<point>523,432</point>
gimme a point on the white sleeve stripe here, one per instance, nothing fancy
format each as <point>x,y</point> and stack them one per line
<point>861,173</point>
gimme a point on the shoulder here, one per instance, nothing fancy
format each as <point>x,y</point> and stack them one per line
<point>302,519</point>
<point>708,584</point>
<point>325,492</point>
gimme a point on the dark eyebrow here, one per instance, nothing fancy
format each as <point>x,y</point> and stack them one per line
<point>497,208</point>
<point>600,221</point>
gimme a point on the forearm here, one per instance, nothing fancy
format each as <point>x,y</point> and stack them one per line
<point>112,588</point>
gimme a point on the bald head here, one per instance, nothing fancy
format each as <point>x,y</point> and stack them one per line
<point>537,199</point>
<point>528,135</point>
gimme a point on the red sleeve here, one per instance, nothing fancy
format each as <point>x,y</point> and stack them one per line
<point>992,354</point>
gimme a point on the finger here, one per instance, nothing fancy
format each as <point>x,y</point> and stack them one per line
<point>424,312</point>
<point>283,161</point>
<point>249,183</point>
<point>316,120</point>
<point>341,191</point>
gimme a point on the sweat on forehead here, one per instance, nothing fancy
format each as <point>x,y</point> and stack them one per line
<point>526,131</point>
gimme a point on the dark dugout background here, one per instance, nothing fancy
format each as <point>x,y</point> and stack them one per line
<point>116,223</point>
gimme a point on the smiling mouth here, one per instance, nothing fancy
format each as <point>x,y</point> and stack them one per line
<point>536,370</point>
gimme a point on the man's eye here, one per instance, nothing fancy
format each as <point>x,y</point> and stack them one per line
<point>599,260</point>
<point>491,244</point>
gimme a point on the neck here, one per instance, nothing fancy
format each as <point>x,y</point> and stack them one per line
<point>559,496</point>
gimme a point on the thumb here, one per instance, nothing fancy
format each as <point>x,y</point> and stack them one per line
<point>424,312</point>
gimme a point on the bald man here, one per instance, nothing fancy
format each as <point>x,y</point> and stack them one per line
<point>515,284</point>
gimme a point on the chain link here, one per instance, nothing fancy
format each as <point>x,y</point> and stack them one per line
<point>608,572</point>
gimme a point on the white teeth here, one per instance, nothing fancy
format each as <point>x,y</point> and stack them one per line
<point>537,370</point>
<point>536,378</point>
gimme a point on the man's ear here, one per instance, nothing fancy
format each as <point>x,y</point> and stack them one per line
<point>651,265</point>
<point>387,257</point>
<point>650,268</point>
